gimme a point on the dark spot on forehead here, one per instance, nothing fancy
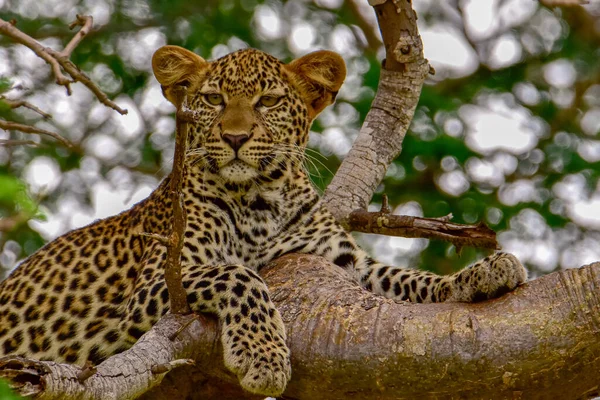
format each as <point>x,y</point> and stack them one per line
<point>246,72</point>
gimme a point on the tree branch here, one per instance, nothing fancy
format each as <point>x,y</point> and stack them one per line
<point>15,126</point>
<point>177,294</point>
<point>59,61</point>
<point>20,103</point>
<point>174,242</point>
<point>380,138</point>
<point>430,228</point>
<point>358,345</point>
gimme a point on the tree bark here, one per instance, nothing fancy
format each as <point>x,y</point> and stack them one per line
<point>540,341</point>
<point>380,138</point>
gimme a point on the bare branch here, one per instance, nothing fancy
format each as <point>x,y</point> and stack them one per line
<point>416,227</point>
<point>369,347</point>
<point>86,22</point>
<point>7,224</point>
<point>9,125</point>
<point>20,103</point>
<point>60,60</point>
<point>380,138</point>
<point>563,3</point>
<point>11,143</point>
<point>177,294</point>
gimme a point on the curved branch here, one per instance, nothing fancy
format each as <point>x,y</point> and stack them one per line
<point>350,344</point>
<point>59,60</point>
<point>15,126</point>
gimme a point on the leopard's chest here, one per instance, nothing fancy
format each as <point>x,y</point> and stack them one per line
<point>233,231</point>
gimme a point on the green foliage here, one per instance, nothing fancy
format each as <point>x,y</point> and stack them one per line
<point>6,393</point>
<point>14,197</point>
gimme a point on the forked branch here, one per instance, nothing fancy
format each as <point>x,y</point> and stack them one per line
<point>59,60</point>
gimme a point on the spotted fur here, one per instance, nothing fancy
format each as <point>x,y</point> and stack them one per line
<point>94,291</point>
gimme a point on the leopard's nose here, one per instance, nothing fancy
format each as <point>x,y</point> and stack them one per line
<point>235,141</point>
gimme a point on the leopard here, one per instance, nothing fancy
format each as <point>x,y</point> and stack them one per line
<point>248,199</point>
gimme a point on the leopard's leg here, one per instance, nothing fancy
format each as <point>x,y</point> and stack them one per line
<point>253,334</point>
<point>486,279</point>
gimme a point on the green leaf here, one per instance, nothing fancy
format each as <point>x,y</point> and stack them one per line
<point>6,393</point>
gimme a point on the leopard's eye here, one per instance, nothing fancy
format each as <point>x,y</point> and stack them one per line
<point>269,101</point>
<point>213,99</point>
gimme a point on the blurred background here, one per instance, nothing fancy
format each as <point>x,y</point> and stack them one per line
<point>506,132</point>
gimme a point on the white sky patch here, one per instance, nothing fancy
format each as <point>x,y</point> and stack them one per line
<point>99,9</point>
<point>499,127</point>
<point>103,146</point>
<point>570,188</point>
<point>51,228</point>
<point>519,191</point>
<point>589,150</point>
<point>481,18</point>
<point>454,182</point>
<point>334,140</point>
<point>302,38</point>
<point>590,122</point>
<point>560,73</point>
<point>153,102</point>
<point>131,124</point>
<point>527,93</point>
<point>268,22</point>
<point>332,4</point>
<point>42,174</point>
<point>446,49</point>
<point>343,41</point>
<point>586,213</point>
<point>484,171</point>
<point>108,200</point>
<point>506,51</point>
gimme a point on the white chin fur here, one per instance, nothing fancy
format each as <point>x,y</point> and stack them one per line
<point>238,171</point>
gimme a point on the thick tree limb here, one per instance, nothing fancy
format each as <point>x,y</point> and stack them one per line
<point>59,60</point>
<point>541,341</point>
<point>380,138</point>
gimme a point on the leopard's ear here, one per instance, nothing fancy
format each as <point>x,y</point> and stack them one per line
<point>318,76</point>
<point>174,67</point>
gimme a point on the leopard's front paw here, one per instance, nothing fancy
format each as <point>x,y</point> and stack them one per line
<point>489,278</point>
<point>260,359</point>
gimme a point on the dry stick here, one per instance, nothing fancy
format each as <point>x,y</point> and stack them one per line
<point>11,143</point>
<point>8,125</point>
<point>430,228</point>
<point>177,294</point>
<point>21,103</point>
<point>58,59</point>
<point>385,223</point>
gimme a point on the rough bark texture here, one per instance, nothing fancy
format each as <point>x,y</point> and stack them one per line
<point>380,138</point>
<point>541,341</point>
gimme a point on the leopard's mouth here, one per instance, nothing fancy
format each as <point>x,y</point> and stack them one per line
<point>238,170</point>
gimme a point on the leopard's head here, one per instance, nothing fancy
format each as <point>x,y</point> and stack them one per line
<point>254,110</point>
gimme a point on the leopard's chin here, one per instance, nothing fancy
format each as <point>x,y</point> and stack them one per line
<point>237,171</point>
